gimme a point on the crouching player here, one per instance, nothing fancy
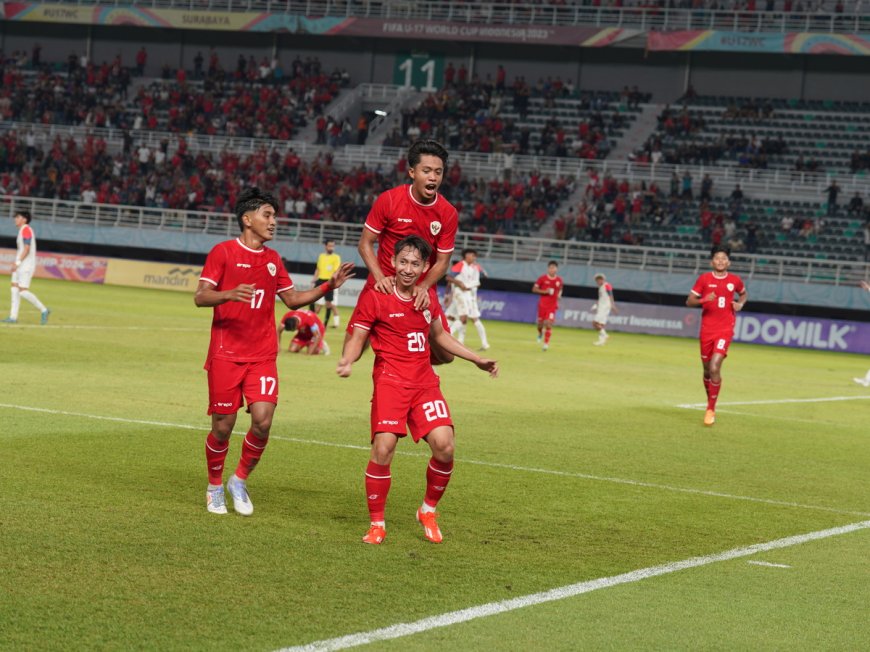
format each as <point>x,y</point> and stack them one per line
<point>310,332</point>
<point>406,394</point>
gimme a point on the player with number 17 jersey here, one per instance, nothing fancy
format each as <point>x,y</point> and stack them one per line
<point>245,331</point>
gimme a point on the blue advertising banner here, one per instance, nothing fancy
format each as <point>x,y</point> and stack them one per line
<point>752,328</point>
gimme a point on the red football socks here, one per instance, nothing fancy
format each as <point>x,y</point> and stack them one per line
<point>378,481</point>
<point>547,333</point>
<point>437,477</point>
<point>215,454</point>
<point>713,394</point>
<point>252,450</point>
<point>707,387</point>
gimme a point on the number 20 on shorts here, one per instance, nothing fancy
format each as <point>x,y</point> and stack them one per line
<point>435,410</point>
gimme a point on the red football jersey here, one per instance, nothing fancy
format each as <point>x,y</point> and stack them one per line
<point>245,332</point>
<point>399,336</point>
<point>549,301</point>
<point>396,215</point>
<point>308,321</point>
<point>717,316</point>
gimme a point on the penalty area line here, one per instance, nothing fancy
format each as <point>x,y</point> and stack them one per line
<point>493,465</point>
<point>563,592</point>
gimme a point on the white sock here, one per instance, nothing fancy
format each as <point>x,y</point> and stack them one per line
<point>867,377</point>
<point>379,523</point>
<point>27,294</point>
<point>460,332</point>
<point>481,331</point>
<point>214,487</point>
<point>602,334</point>
<point>335,320</point>
<point>427,509</point>
<point>16,303</point>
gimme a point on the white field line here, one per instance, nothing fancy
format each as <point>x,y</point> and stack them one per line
<point>85,327</point>
<point>781,401</point>
<point>767,564</point>
<point>561,593</point>
<point>495,465</point>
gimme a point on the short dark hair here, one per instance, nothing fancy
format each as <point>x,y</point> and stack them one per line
<point>328,240</point>
<point>251,199</point>
<point>468,250</point>
<point>414,242</point>
<point>25,215</point>
<point>553,262</point>
<point>719,249</point>
<point>291,323</point>
<point>424,147</point>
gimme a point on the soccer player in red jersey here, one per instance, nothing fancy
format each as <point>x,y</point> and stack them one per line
<point>412,209</point>
<point>549,286</point>
<point>714,292</point>
<point>240,280</point>
<point>406,389</point>
<point>310,332</point>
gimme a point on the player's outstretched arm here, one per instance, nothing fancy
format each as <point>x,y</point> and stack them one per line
<point>353,348</point>
<point>207,296</point>
<point>454,346</point>
<point>366,249</point>
<point>296,298</point>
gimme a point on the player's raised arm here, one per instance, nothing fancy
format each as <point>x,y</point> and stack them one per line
<point>207,296</point>
<point>352,350</point>
<point>295,298</point>
<point>454,346</point>
<point>366,248</point>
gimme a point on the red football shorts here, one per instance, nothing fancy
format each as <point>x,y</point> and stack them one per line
<point>399,409</point>
<point>715,343</point>
<point>231,384</point>
<point>302,342</point>
<point>546,313</point>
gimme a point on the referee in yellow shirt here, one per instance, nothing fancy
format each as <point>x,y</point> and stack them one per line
<point>327,263</point>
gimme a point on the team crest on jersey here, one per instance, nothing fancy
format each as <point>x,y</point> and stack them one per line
<point>427,316</point>
<point>272,269</point>
<point>435,228</point>
<point>730,287</point>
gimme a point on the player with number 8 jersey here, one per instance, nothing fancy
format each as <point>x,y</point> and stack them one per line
<point>714,292</point>
<point>240,281</point>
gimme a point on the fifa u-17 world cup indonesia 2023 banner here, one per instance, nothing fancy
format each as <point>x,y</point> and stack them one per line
<point>752,328</point>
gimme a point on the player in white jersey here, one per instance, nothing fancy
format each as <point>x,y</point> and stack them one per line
<point>464,278</point>
<point>602,309</point>
<point>25,266</point>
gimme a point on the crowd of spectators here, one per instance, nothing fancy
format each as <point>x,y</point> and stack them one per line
<point>680,139</point>
<point>256,99</point>
<point>487,115</point>
<point>174,177</point>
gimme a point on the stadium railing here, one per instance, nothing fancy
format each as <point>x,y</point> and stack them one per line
<point>499,13</point>
<point>501,248</point>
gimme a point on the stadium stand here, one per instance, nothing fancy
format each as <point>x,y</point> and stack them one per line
<point>820,136</point>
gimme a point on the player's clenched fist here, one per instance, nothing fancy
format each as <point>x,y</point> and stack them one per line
<point>343,368</point>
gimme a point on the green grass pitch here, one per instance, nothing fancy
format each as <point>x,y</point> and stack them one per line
<point>575,464</point>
